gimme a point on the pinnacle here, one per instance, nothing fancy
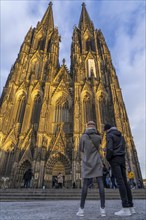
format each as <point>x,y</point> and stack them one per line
<point>83,4</point>
<point>48,19</point>
<point>50,4</point>
<point>85,20</point>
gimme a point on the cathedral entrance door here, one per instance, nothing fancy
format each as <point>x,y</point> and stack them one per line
<point>22,169</point>
<point>58,168</point>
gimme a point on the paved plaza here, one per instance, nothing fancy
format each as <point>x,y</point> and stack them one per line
<point>66,210</point>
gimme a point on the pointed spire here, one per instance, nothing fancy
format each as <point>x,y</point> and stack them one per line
<point>85,20</point>
<point>48,19</point>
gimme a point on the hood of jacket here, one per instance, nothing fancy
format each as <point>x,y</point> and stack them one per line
<point>114,131</point>
<point>90,131</point>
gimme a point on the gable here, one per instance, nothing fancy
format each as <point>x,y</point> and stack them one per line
<point>63,73</point>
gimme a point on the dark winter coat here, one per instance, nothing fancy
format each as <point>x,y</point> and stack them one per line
<point>28,175</point>
<point>115,144</point>
<point>91,161</point>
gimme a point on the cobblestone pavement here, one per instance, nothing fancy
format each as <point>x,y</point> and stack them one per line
<point>66,210</point>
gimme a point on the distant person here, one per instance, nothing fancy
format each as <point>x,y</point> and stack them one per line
<point>139,184</point>
<point>105,174</point>
<point>131,179</point>
<point>27,178</point>
<point>54,182</point>
<point>60,180</point>
<point>116,157</point>
<point>74,185</point>
<point>91,166</point>
<point>113,179</point>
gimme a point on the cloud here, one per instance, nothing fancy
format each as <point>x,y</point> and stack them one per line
<point>129,58</point>
<point>123,26</point>
<point>15,22</point>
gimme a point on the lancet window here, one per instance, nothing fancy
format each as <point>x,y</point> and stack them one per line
<point>87,108</point>
<point>21,109</point>
<point>62,112</point>
<point>91,68</point>
<point>36,110</point>
<point>103,109</point>
<point>36,69</point>
<point>41,44</point>
<point>90,45</point>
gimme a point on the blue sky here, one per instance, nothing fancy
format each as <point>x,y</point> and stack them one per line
<point>123,24</point>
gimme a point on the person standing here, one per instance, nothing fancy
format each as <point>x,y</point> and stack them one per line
<point>91,165</point>
<point>27,178</point>
<point>116,157</point>
<point>105,173</point>
<point>60,180</point>
<point>113,180</point>
<point>131,179</point>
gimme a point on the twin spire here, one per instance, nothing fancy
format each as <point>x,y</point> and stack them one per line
<point>84,21</point>
<point>48,19</point>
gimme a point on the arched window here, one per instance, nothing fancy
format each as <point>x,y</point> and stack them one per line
<point>49,46</point>
<point>91,68</point>
<point>65,112</point>
<point>35,69</point>
<point>88,110</point>
<point>103,109</point>
<point>93,45</point>
<point>21,109</point>
<point>90,45</point>
<point>36,110</point>
<point>41,44</point>
<point>62,112</point>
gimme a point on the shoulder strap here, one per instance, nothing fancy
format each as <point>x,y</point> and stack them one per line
<point>91,140</point>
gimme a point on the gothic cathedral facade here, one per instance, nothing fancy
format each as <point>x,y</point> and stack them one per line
<point>45,106</point>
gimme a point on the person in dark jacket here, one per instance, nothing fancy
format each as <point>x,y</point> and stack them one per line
<point>92,166</point>
<point>116,157</point>
<point>27,178</point>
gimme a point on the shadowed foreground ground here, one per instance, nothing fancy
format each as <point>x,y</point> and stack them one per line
<point>65,210</point>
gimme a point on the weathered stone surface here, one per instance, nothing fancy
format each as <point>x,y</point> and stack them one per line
<point>65,210</point>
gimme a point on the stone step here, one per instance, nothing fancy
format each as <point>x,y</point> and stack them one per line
<point>62,194</point>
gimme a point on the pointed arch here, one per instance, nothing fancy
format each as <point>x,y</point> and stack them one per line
<point>37,39</point>
<point>89,41</point>
<point>62,104</point>
<point>35,69</point>
<point>59,157</point>
<point>36,110</point>
<point>91,68</point>
<point>23,166</point>
<point>19,106</point>
<point>88,107</point>
<point>62,111</point>
<point>102,98</point>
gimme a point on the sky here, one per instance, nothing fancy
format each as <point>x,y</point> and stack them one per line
<point>123,24</point>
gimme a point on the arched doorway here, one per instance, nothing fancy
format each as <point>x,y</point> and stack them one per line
<point>58,163</point>
<point>58,168</point>
<point>21,170</point>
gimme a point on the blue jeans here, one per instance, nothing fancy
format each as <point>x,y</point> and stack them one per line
<point>86,183</point>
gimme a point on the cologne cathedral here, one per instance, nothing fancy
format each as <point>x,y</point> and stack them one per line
<point>45,106</point>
